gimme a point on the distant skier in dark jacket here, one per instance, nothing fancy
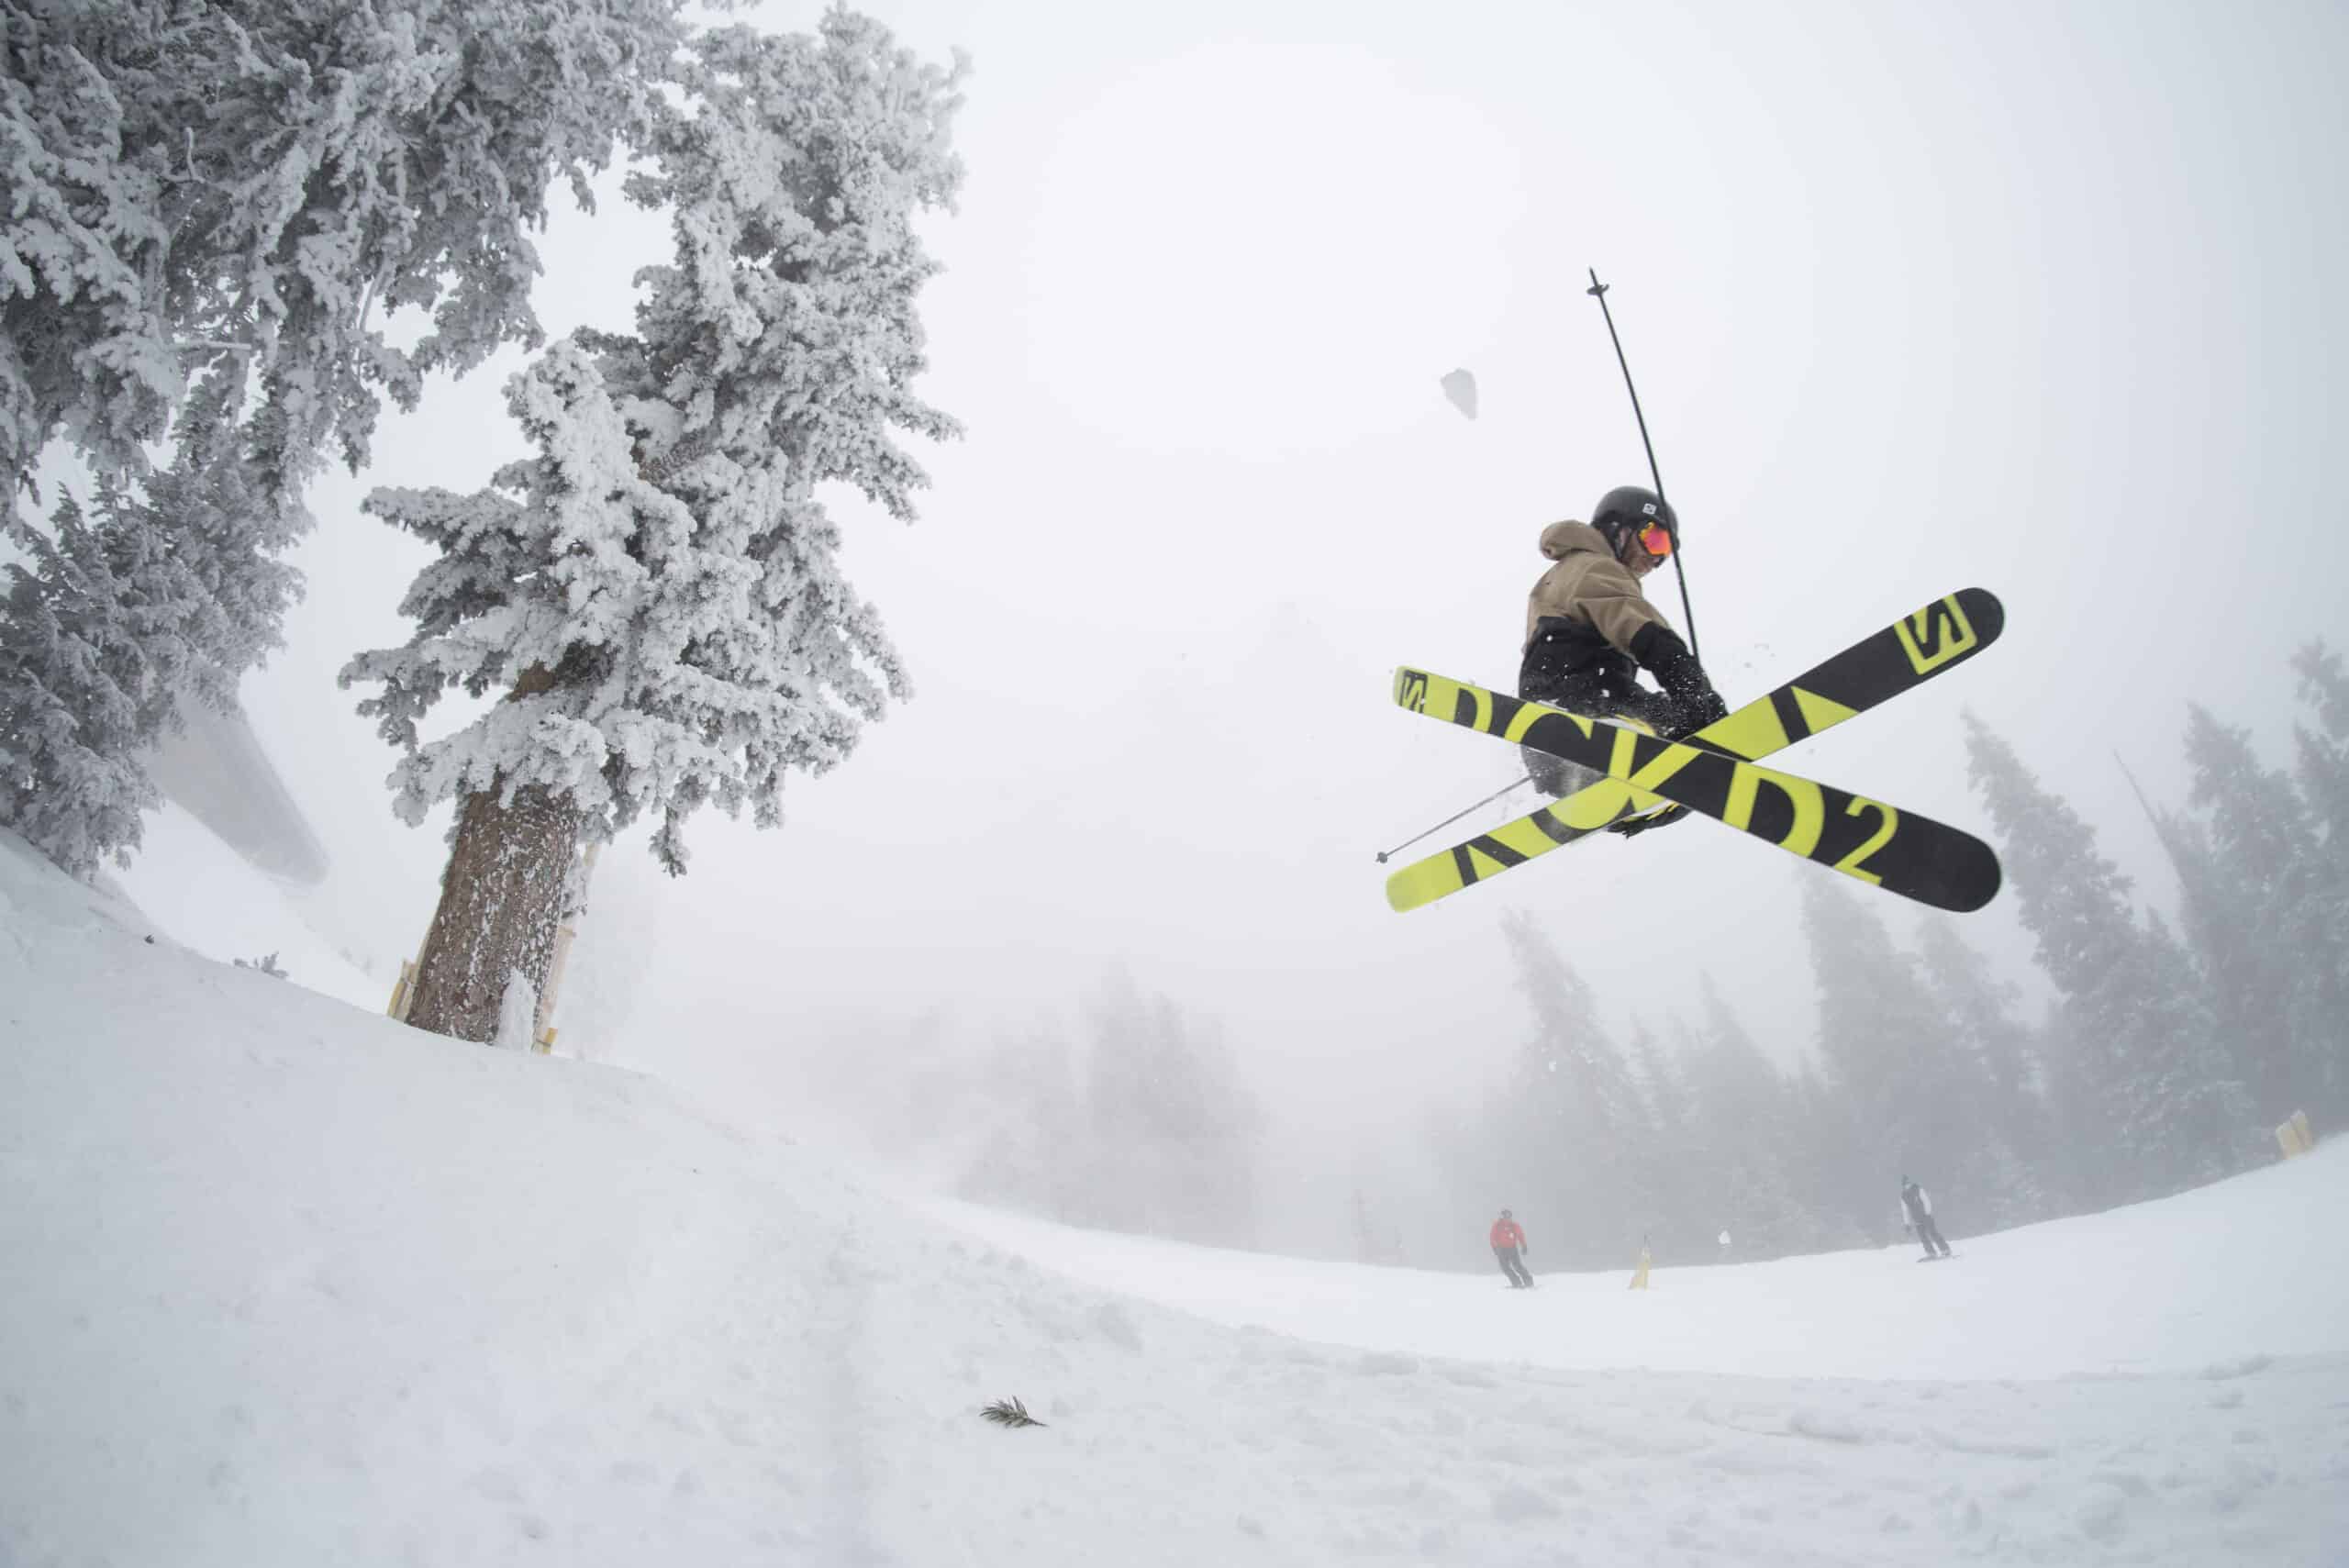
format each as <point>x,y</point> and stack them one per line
<point>1918,1211</point>
<point>1508,1246</point>
<point>1589,631</point>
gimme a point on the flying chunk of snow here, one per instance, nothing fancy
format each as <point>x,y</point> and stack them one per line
<point>1460,387</point>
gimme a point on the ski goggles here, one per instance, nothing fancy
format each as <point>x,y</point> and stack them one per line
<point>1657,539</point>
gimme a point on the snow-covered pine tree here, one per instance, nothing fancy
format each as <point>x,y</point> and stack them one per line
<point>1173,1134</point>
<point>155,593</point>
<point>2324,686</point>
<point>659,590</point>
<point>70,702</point>
<point>1374,1241</point>
<point>2322,771</point>
<point>2250,867</point>
<point>1834,1161</point>
<point>1667,1132</point>
<point>2141,1089</point>
<point>1980,1008</point>
<point>213,210</point>
<point>1569,1116</point>
<point>1742,1132</point>
<point>1031,1138</point>
<point>1921,1106</point>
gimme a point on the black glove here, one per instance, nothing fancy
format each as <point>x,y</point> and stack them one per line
<point>1632,827</point>
<point>1662,653</point>
<point>1706,708</point>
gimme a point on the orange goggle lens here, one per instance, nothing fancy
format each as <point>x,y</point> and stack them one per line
<point>1657,539</point>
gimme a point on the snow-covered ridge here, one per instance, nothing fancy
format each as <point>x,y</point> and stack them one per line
<point>290,1284</point>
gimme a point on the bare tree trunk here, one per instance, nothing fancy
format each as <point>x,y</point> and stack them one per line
<point>501,899</point>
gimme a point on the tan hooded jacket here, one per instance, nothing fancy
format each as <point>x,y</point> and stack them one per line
<point>1589,586</point>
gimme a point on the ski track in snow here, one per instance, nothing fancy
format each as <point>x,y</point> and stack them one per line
<point>291,1285</point>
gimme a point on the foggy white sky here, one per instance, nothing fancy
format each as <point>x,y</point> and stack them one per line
<point>2038,298</point>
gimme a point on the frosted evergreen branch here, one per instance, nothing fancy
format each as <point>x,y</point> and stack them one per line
<point>1009,1413</point>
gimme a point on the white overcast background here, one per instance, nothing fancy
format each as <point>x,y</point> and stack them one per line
<point>2042,298</point>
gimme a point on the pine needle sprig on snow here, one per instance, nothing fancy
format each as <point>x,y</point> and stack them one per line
<point>1009,1413</point>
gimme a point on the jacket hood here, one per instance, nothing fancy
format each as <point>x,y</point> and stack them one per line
<point>1561,539</point>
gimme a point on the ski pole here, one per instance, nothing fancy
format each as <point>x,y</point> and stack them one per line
<point>1598,291</point>
<point>1453,818</point>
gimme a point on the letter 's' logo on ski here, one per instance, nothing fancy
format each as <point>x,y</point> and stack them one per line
<point>1411,689</point>
<point>1935,635</point>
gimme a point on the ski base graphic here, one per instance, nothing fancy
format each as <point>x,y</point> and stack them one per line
<point>1879,667</point>
<point>1866,840</point>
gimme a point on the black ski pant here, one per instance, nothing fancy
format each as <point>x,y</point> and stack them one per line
<point>1557,777</point>
<point>1513,1266</point>
<point>1931,1235</point>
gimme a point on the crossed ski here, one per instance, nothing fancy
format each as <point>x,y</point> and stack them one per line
<point>1712,771</point>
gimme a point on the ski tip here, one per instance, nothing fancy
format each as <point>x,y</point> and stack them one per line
<point>1983,608</point>
<point>1986,883</point>
<point>1968,879</point>
<point>1413,888</point>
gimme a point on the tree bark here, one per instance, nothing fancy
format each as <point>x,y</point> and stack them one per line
<point>501,899</point>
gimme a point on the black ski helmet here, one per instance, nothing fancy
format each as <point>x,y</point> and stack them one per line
<point>1629,508</point>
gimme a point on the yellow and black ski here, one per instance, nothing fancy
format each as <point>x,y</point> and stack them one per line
<point>1865,839</point>
<point>1873,671</point>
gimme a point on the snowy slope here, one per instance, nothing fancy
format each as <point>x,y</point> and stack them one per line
<point>2186,1285</point>
<point>288,1284</point>
<point>198,889</point>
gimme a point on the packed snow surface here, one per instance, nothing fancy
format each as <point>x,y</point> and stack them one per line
<point>2197,1281</point>
<point>288,1284</point>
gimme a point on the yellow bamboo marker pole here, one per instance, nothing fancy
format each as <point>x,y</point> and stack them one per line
<point>403,993</point>
<point>2292,1135</point>
<point>543,1035</point>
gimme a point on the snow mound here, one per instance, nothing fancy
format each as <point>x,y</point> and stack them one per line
<point>288,1284</point>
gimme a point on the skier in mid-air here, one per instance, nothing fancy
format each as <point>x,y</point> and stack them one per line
<point>1589,631</point>
<point>1508,1246</point>
<point>1918,1210</point>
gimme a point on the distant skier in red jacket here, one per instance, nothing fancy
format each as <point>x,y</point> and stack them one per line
<point>1508,1246</point>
